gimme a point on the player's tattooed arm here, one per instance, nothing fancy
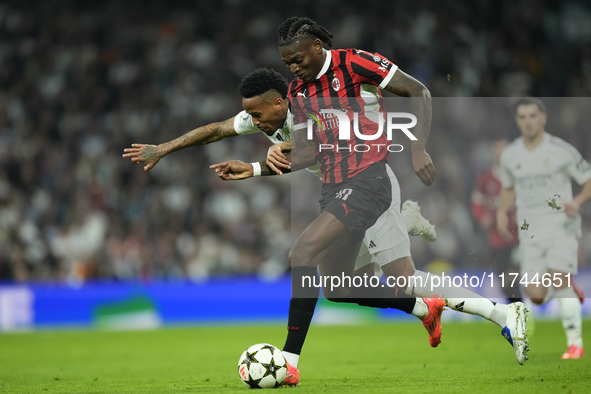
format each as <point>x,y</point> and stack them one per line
<point>151,154</point>
<point>303,151</point>
<point>404,85</point>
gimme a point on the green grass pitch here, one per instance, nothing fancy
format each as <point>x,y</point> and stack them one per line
<point>375,358</point>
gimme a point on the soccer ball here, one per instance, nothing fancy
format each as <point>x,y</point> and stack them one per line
<point>262,366</point>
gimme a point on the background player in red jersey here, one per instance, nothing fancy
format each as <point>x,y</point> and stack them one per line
<point>485,201</point>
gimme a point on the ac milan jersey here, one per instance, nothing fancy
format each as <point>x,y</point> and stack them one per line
<point>349,81</point>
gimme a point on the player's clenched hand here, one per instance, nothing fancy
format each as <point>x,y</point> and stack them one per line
<point>233,170</point>
<point>571,208</point>
<point>503,226</point>
<point>423,166</point>
<point>277,160</point>
<point>142,153</point>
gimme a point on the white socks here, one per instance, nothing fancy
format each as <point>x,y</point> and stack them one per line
<point>459,299</point>
<point>292,358</point>
<point>570,314</point>
<point>421,309</point>
<point>477,305</point>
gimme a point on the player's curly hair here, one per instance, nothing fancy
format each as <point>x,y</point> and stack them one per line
<point>295,28</point>
<point>262,80</point>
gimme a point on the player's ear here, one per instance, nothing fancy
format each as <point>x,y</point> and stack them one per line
<point>317,46</point>
<point>278,102</point>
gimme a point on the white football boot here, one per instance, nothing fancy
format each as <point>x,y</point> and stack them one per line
<point>515,331</point>
<point>422,227</point>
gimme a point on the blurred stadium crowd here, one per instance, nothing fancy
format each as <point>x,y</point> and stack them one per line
<point>80,81</point>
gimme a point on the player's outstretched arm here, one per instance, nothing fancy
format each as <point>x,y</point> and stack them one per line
<point>572,208</point>
<point>151,154</point>
<point>233,170</point>
<point>506,199</point>
<point>404,85</point>
<point>238,170</point>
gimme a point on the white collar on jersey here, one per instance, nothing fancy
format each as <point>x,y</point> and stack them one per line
<point>326,63</point>
<point>288,120</point>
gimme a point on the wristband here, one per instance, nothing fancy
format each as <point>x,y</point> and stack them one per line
<point>256,169</point>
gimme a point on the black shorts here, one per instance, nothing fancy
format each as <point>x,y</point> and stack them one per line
<point>358,202</point>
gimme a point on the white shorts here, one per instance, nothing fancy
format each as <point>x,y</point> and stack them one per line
<point>560,254</point>
<point>387,240</point>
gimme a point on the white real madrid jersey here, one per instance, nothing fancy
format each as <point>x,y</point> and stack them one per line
<point>243,124</point>
<point>539,176</point>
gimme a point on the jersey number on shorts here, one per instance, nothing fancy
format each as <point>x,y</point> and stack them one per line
<point>344,194</point>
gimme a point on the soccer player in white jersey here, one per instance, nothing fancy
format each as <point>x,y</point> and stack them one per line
<point>265,101</point>
<point>536,173</point>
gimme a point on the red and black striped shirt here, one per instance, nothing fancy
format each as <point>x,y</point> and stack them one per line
<point>485,201</point>
<point>349,81</point>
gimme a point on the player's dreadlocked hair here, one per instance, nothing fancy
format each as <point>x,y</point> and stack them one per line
<point>262,80</point>
<point>295,28</point>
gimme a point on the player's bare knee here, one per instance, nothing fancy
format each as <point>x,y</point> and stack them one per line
<point>304,253</point>
<point>535,294</point>
<point>400,267</point>
<point>301,256</point>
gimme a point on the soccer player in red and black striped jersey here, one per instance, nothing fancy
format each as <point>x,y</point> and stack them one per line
<point>356,184</point>
<point>351,79</point>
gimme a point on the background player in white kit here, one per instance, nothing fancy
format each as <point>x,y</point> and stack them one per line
<point>537,168</point>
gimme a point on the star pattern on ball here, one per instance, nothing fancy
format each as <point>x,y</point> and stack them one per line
<point>249,358</point>
<point>270,367</point>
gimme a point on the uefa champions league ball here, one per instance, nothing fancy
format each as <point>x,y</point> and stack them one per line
<point>262,366</point>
